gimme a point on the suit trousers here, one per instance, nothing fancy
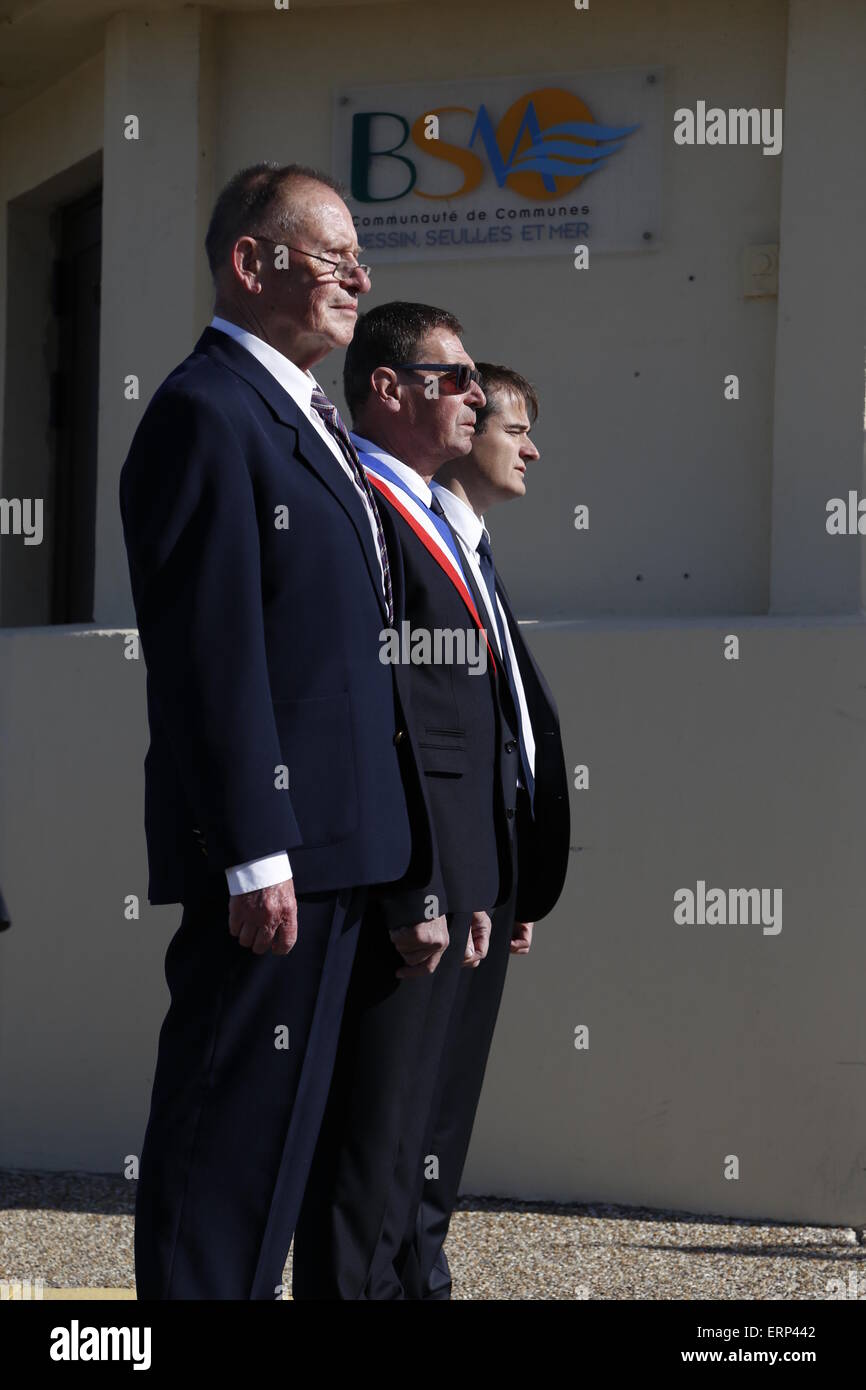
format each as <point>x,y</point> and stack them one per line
<point>370,1153</point>
<point>422,1265</point>
<point>235,1112</point>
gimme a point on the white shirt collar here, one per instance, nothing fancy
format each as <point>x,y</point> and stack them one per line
<point>298,383</point>
<point>408,475</point>
<point>461,517</point>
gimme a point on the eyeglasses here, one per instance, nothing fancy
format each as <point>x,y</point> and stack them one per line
<point>342,270</point>
<point>456,377</point>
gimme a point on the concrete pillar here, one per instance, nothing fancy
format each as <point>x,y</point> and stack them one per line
<point>159,67</point>
<point>818,407</point>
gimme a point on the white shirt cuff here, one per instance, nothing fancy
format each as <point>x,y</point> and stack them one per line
<point>258,873</point>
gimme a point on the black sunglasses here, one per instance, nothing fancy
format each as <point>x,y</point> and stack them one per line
<point>456,376</point>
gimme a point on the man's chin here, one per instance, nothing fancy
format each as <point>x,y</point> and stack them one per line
<point>342,329</point>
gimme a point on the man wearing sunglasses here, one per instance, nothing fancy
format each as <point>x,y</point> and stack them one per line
<point>413,393</point>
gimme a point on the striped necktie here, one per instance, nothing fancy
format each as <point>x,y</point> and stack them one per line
<point>334,424</point>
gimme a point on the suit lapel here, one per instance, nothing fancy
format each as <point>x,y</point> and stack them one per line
<point>539,698</point>
<point>445,563</point>
<point>310,448</point>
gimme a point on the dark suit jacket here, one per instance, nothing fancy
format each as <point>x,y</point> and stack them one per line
<point>466,750</point>
<point>261,643</point>
<point>542,841</point>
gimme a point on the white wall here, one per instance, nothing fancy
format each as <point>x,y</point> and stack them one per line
<point>677,479</point>
<point>81,987</point>
<point>705,1041</point>
<point>818,439</point>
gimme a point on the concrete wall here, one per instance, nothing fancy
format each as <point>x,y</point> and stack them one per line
<point>81,987</point>
<point>676,478</point>
<point>704,1041</point>
<point>158,195</point>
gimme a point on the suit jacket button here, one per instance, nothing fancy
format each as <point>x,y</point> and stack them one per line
<point>510,812</point>
<point>511,745</point>
<point>400,735</point>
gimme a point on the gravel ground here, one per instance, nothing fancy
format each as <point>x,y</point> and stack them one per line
<point>75,1229</point>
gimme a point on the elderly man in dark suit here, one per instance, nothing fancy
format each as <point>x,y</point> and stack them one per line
<point>281,776</point>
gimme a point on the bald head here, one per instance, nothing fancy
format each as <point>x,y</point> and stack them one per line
<point>275,235</point>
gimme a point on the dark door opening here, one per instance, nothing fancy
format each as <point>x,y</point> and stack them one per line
<point>75,407</point>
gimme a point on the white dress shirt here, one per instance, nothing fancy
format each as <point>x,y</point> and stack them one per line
<point>274,868</point>
<point>413,480</point>
<point>469,528</point>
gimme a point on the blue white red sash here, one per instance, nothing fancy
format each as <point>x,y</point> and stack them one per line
<point>433,534</point>
<point>387,474</point>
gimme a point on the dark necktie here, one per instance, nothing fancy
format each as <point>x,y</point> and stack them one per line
<point>334,424</point>
<point>488,574</point>
<point>507,689</point>
<point>436,506</point>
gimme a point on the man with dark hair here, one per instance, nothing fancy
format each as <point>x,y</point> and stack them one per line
<point>261,581</point>
<point>493,471</point>
<point>412,390</point>
<point>506,391</point>
<point>394,332</point>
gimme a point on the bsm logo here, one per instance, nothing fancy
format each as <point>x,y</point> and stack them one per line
<point>544,146</point>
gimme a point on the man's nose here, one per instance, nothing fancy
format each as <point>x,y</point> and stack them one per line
<point>359,279</point>
<point>476,396</point>
<point>528,449</point>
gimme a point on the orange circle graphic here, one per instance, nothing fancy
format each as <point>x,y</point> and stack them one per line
<point>553,106</point>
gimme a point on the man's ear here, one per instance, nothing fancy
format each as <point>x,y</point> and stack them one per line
<point>383,383</point>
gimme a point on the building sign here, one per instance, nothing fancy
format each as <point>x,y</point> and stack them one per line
<point>503,166</point>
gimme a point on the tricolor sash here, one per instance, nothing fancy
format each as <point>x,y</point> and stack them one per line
<point>433,533</point>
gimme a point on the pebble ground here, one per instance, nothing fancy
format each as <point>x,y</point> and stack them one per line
<point>74,1230</point>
